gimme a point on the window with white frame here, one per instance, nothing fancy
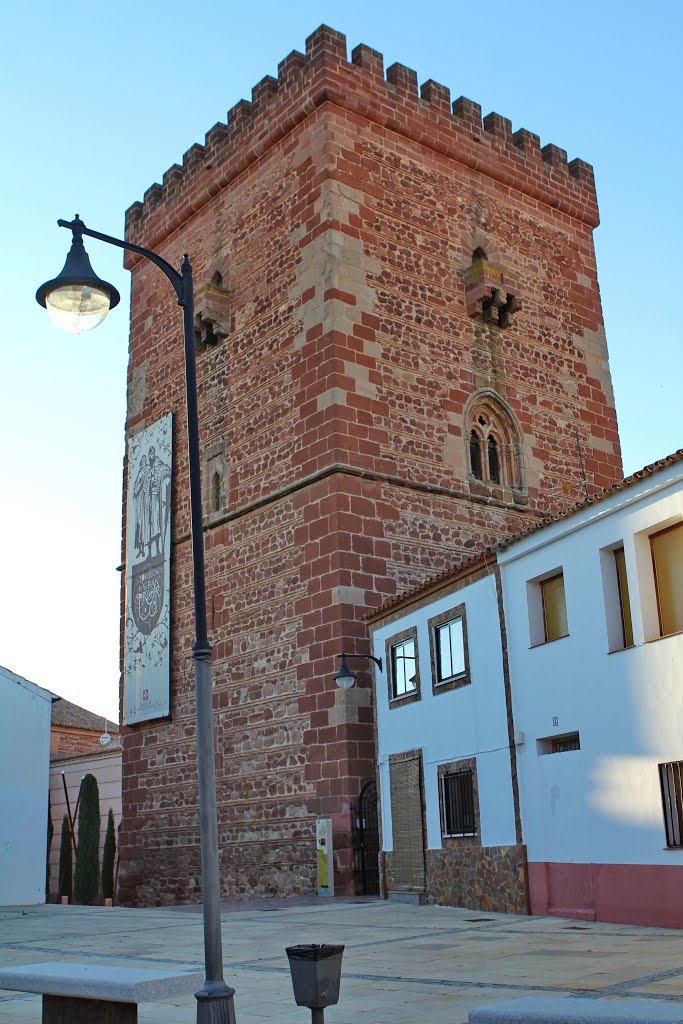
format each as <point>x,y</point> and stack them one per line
<point>403,663</point>
<point>403,667</point>
<point>448,649</point>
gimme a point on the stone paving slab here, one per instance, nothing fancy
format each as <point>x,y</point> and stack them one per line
<point>401,964</point>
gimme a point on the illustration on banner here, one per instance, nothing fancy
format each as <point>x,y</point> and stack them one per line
<point>148,533</point>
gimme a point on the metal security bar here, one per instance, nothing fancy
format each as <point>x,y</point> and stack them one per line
<point>671,780</point>
<point>561,744</point>
<point>457,804</point>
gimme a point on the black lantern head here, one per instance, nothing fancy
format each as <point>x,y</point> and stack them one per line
<point>77,300</point>
<point>344,678</point>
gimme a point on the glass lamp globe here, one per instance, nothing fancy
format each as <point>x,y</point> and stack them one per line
<point>344,678</point>
<point>77,299</point>
<point>77,307</point>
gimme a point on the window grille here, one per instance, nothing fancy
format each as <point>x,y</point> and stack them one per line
<point>671,781</point>
<point>457,804</point>
<point>561,744</point>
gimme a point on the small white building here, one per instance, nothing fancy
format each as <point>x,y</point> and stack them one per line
<point>450,827</point>
<point>594,613</point>
<point>25,714</point>
<point>530,717</point>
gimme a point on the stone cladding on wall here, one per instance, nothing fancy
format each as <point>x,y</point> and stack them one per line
<point>471,876</point>
<point>478,877</point>
<point>338,212</point>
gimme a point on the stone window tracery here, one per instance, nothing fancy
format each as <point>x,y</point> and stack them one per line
<point>493,445</point>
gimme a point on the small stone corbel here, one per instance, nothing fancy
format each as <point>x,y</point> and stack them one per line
<point>491,292</point>
<point>211,315</point>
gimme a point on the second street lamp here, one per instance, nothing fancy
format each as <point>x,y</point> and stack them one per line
<point>345,678</point>
<point>78,300</point>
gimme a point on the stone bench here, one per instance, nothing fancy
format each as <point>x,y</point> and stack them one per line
<point>81,993</point>
<point>568,1010</point>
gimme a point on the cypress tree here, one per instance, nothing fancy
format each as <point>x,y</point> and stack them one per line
<point>65,861</point>
<point>50,833</point>
<point>108,856</point>
<point>87,873</point>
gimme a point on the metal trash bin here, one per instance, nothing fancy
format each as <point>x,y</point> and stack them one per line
<point>316,975</point>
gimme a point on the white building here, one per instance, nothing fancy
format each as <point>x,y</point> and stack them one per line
<point>25,711</point>
<point>594,613</point>
<point>450,828</point>
<point>531,755</point>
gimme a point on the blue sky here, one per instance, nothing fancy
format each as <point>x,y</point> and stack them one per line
<point>99,100</point>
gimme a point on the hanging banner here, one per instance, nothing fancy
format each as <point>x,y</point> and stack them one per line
<point>146,668</point>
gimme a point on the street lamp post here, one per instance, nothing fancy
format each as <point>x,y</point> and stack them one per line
<point>78,300</point>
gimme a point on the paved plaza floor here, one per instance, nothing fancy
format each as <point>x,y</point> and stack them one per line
<point>402,964</point>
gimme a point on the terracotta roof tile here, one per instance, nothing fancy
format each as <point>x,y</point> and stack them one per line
<point>460,568</point>
<point>72,716</point>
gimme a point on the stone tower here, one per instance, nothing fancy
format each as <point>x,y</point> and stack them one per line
<point>401,357</point>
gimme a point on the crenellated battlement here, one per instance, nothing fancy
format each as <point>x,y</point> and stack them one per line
<point>393,100</point>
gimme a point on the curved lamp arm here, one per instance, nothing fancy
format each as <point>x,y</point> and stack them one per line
<point>172,274</point>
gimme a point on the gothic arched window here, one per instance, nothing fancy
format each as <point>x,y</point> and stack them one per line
<point>493,443</point>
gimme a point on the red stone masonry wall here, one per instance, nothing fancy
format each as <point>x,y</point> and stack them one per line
<point>341,210</point>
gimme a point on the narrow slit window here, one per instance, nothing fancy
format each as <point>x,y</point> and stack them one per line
<point>216,492</point>
<point>494,464</point>
<point>554,608</point>
<point>624,598</point>
<point>475,456</point>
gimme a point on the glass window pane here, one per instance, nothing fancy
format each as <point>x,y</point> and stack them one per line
<point>494,466</point>
<point>451,649</point>
<point>624,599</point>
<point>404,667</point>
<point>475,455</point>
<point>667,552</point>
<point>554,608</point>
<point>445,670</point>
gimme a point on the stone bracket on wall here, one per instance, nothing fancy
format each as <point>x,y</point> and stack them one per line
<point>491,292</point>
<point>212,305</point>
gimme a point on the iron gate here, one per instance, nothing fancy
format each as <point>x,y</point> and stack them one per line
<point>366,841</point>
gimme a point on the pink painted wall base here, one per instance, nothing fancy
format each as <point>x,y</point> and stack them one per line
<point>648,894</point>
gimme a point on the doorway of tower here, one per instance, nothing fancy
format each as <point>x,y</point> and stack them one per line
<point>366,841</point>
